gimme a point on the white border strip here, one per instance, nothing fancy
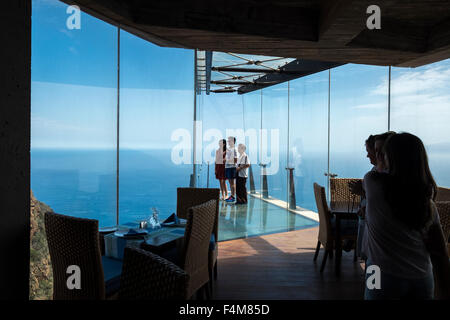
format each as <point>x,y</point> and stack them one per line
<point>283,204</point>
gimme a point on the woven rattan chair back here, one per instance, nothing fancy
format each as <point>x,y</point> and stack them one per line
<point>443,208</point>
<point>75,242</point>
<point>340,193</point>
<point>325,231</point>
<point>197,236</point>
<point>443,194</point>
<point>191,197</point>
<point>146,276</point>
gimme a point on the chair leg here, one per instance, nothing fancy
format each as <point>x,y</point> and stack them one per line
<point>331,254</point>
<point>324,260</point>
<point>215,271</point>
<point>317,250</point>
<point>355,257</point>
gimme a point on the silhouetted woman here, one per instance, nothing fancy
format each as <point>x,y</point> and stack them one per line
<point>220,168</point>
<point>402,226</point>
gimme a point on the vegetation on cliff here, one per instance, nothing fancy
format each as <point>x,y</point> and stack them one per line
<point>41,276</point>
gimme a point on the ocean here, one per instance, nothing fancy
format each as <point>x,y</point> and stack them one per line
<point>82,183</point>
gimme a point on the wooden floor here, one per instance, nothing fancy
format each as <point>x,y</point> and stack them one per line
<point>280,266</point>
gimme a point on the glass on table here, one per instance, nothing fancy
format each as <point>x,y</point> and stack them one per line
<point>153,221</point>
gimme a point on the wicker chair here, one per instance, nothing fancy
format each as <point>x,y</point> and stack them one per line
<point>341,194</point>
<point>75,241</point>
<point>190,197</point>
<point>443,194</point>
<point>326,236</point>
<point>195,260</point>
<point>146,276</point>
<point>443,208</point>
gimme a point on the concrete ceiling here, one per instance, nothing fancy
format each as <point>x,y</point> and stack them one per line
<point>413,33</point>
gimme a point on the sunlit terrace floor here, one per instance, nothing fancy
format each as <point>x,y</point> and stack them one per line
<point>280,266</point>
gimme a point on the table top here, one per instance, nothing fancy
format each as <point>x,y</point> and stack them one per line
<point>157,239</point>
<point>163,232</point>
<point>168,235</point>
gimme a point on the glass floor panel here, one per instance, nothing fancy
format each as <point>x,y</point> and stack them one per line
<point>257,218</point>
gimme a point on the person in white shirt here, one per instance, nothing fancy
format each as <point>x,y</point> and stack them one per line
<point>230,167</point>
<point>243,164</point>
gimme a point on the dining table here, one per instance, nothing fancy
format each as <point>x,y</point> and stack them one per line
<point>342,211</point>
<point>155,240</point>
<point>113,244</point>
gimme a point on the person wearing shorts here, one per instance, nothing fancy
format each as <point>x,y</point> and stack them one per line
<point>220,168</point>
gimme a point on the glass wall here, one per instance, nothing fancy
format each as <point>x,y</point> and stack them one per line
<point>308,135</point>
<point>73,100</point>
<point>252,103</point>
<point>274,138</point>
<point>75,108</point>
<point>156,116</point>
<point>420,104</point>
<point>359,108</point>
<point>220,117</point>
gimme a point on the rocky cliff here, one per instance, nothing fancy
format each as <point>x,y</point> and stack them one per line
<point>41,277</point>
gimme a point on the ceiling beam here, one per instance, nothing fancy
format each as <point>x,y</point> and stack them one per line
<point>439,37</point>
<point>233,83</point>
<point>394,35</point>
<point>295,69</point>
<point>208,63</point>
<point>243,70</point>
<point>224,91</point>
<point>342,20</point>
<point>413,33</point>
<point>264,18</point>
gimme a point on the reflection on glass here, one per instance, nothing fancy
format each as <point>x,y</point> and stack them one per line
<point>420,104</point>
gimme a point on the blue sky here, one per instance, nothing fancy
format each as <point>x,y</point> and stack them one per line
<point>74,79</point>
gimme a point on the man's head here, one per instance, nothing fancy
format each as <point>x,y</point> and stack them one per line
<point>370,148</point>
<point>231,141</point>
<point>242,148</point>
